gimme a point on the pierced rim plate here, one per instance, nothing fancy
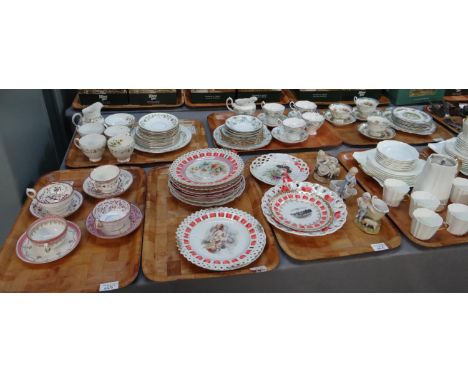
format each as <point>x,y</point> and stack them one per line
<point>263,118</point>
<point>185,136</point>
<point>29,253</point>
<point>339,122</point>
<point>301,211</point>
<point>278,134</point>
<point>220,142</point>
<point>221,239</point>
<point>337,205</point>
<point>125,181</point>
<point>39,211</point>
<point>136,217</point>
<point>268,168</point>
<point>389,133</point>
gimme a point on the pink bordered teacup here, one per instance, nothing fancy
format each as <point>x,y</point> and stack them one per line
<point>55,197</point>
<point>48,232</point>
<point>112,216</point>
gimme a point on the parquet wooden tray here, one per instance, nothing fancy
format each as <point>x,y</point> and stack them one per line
<point>399,215</point>
<point>458,120</point>
<point>179,102</point>
<point>325,137</point>
<point>161,258</point>
<point>76,159</point>
<point>93,262</point>
<point>351,136</point>
<point>347,241</point>
<point>284,100</point>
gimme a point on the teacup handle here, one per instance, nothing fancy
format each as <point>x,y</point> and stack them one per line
<point>262,104</point>
<point>80,119</point>
<point>355,99</point>
<point>31,193</point>
<point>76,142</point>
<point>46,248</point>
<point>280,121</point>
<point>229,101</point>
<point>292,105</point>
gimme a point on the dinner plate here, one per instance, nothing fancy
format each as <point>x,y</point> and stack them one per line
<point>185,137</point>
<point>217,135</point>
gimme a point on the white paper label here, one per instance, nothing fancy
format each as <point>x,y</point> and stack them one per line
<point>104,287</point>
<point>379,246</point>
<point>261,268</point>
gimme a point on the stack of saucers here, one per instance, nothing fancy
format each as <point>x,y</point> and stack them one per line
<point>160,132</point>
<point>242,132</point>
<point>391,160</point>
<point>207,177</point>
<point>409,120</point>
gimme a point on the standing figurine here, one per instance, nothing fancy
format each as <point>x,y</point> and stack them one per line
<point>345,188</point>
<point>326,168</point>
<point>371,210</point>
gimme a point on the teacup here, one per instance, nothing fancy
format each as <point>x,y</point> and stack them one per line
<point>114,130</point>
<point>314,121</point>
<point>272,111</point>
<point>106,178</point>
<point>89,114</point>
<point>365,105</point>
<point>457,219</point>
<point>423,199</point>
<point>425,223</point>
<point>92,145</point>
<point>377,125</point>
<point>340,111</point>
<point>303,106</point>
<point>47,233</point>
<point>394,190</point>
<point>112,216</point>
<point>55,198</point>
<point>294,128</point>
<point>459,193</point>
<point>121,147</point>
<point>90,128</point>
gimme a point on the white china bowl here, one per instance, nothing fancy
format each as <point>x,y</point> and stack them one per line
<point>398,151</point>
<point>114,130</point>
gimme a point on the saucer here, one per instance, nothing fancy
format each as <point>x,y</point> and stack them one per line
<point>339,122</point>
<point>29,253</point>
<point>278,134</point>
<point>136,217</point>
<point>39,212</point>
<point>359,117</point>
<point>389,133</point>
<point>262,118</point>
<point>125,181</point>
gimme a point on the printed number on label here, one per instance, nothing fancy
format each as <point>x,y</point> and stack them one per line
<point>379,247</point>
<point>261,268</point>
<point>104,287</point>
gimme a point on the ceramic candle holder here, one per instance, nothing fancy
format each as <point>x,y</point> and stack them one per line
<point>457,219</point>
<point>112,216</point>
<point>425,223</point>
<point>55,198</point>
<point>422,199</point>
<point>394,191</point>
<point>314,121</point>
<point>47,233</point>
<point>121,147</point>
<point>459,192</point>
<point>114,130</point>
<point>106,178</point>
<point>92,145</point>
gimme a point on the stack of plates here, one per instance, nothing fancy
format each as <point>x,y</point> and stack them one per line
<point>410,120</point>
<point>391,160</point>
<point>305,209</point>
<point>242,132</point>
<point>160,132</point>
<point>207,177</point>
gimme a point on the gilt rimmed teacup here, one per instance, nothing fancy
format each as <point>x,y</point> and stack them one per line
<point>112,216</point>
<point>314,121</point>
<point>114,130</point>
<point>272,111</point>
<point>48,232</point>
<point>366,105</point>
<point>92,145</point>
<point>121,147</point>
<point>377,125</point>
<point>303,106</point>
<point>294,128</point>
<point>106,178</point>
<point>55,197</point>
<point>340,111</point>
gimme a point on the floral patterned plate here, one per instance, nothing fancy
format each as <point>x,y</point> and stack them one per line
<point>221,239</point>
<point>269,168</point>
<point>218,137</point>
<point>38,211</point>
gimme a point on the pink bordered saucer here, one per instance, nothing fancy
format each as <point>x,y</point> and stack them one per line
<point>302,211</point>
<point>30,253</point>
<point>220,239</point>
<point>136,217</point>
<point>38,211</point>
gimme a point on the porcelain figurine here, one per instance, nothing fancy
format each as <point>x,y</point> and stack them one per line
<point>242,105</point>
<point>326,168</point>
<point>371,210</point>
<point>345,188</point>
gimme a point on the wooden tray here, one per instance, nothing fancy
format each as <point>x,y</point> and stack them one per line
<point>179,102</point>
<point>383,100</point>
<point>284,100</point>
<point>456,99</point>
<point>161,258</point>
<point>76,159</point>
<point>93,262</point>
<point>399,215</point>
<point>325,137</point>
<point>442,122</point>
<point>347,241</point>
<point>351,136</point>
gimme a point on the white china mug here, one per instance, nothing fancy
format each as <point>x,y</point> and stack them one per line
<point>425,223</point>
<point>394,191</point>
<point>459,192</point>
<point>423,199</point>
<point>457,219</point>
<point>92,145</point>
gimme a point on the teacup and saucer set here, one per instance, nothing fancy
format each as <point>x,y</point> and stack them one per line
<point>298,108</point>
<point>340,114</point>
<point>107,181</point>
<point>291,131</point>
<point>48,239</point>
<point>113,218</point>
<point>57,199</point>
<point>272,114</point>
<point>376,127</point>
<point>365,107</point>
